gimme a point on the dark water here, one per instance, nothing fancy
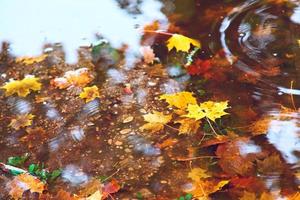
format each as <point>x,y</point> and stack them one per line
<point>255,50</point>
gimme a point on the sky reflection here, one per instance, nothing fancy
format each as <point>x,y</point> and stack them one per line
<point>73,23</point>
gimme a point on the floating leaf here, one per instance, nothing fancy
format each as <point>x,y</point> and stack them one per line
<point>179,100</point>
<point>211,110</point>
<point>90,93</point>
<point>181,43</point>
<point>188,126</point>
<point>79,77</point>
<point>22,88</point>
<point>21,121</point>
<point>156,121</point>
<point>17,160</point>
<point>24,182</point>
<point>196,174</point>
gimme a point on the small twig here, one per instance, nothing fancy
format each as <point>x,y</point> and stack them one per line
<point>158,32</point>
<point>171,127</point>
<point>117,171</point>
<point>195,158</point>
<point>111,196</point>
<point>292,97</point>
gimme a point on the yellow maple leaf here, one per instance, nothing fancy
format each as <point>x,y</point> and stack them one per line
<point>156,121</point>
<point>21,121</point>
<point>188,126</point>
<point>31,60</point>
<point>211,110</point>
<point>89,93</point>
<point>24,182</point>
<point>196,174</point>
<point>22,87</point>
<point>179,100</point>
<point>181,43</point>
<point>203,188</point>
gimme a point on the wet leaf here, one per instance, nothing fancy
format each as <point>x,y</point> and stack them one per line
<point>261,126</point>
<point>202,189</point>
<point>31,60</point>
<point>110,188</point>
<point>80,78</point>
<point>21,121</point>
<point>23,87</point>
<point>181,43</point>
<point>96,196</point>
<point>156,121</point>
<point>188,126</point>
<point>167,143</point>
<point>17,160</point>
<point>24,182</point>
<point>63,195</point>
<point>266,196</point>
<point>179,100</point>
<point>270,165</point>
<point>90,93</point>
<point>211,110</point>
<point>231,160</point>
<point>196,174</point>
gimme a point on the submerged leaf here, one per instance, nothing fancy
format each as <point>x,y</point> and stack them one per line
<point>24,182</point>
<point>156,121</point>
<point>196,174</point>
<point>181,43</point>
<point>90,93</point>
<point>21,121</point>
<point>22,88</point>
<point>188,126</point>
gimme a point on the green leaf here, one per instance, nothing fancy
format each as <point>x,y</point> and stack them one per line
<point>17,160</point>
<point>188,197</point>
<point>55,174</point>
<point>181,198</point>
<point>139,196</point>
<point>33,168</point>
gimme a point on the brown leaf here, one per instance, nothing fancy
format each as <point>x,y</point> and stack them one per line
<point>188,126</point>
<point>21,121</point>
<point>270,165</point>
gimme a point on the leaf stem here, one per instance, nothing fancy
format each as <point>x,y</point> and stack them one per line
<point>158,32</point>
<point>212,128</point>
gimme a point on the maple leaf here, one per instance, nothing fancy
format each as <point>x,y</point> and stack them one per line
<point>181,43</point>
<point>196,174</point>
<point>156,121</point>
<point>270,165</point>
<point>21,121</point>
<point>110,188</point>
<point>31,60</point>
<point>203,188</point>
<point>211,110</point>
<point>179,100</point>
<point>22,87</point>
<point>79,77</point>
<point>148,54</point>
<point>188,126</point>
<point>89,93</point>
<point>24,182</point>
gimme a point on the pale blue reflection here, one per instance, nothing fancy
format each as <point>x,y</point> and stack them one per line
<point>29,24</point>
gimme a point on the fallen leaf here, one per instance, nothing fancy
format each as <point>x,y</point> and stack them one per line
<point>22,88</point>
<point>202,189</point>
<point>266,196</point>
<point>110,188</point>
<point>211,110</point>
<point>31,60</point>
<point>196,174</point>
<point>35,137</point>
<point>179,100</point>
<point>261,126</point>
<point>231,160</point>
<point>96,196</point>
<point>271,165</point>
<point>63,195</point>
<point>156,121</point>
<point>21,121</point>
<point>199,67</point>
<point>80,78</point>
<point>188,126</point>
<point>167,143</point>
<point>24,182</point>
<point>90,93</point>
<point>181,43</point>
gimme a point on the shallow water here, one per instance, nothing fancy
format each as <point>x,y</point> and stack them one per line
<point>253,51</point>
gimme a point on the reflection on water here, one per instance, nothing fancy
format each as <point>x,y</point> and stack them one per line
<point>255,148</point>
<point>28,25</point>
